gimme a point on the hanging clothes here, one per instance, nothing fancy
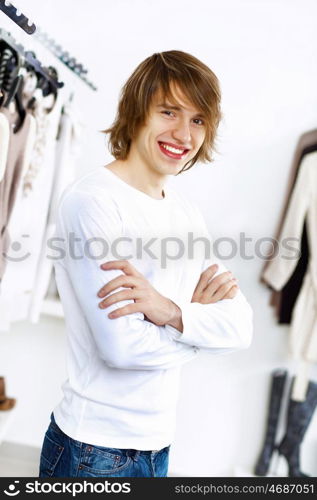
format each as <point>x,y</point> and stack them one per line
<point>302,205</point>
<point>28,222</point>
<point>284,300</point>
<point>41,111</point>
<point>4,143</point>
<point>67,149</point>
<point>29,193</point>
<point>21,143</point>
<point>289,293</point>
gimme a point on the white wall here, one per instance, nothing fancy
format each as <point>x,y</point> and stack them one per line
<point>264,55</point>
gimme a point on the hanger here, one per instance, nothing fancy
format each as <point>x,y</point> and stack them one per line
<point>10,81</point>
<point>29,57</point>
<point>13,90</point>
<point>43,84</point>
<point>38,68</point>
<point>10,62</point>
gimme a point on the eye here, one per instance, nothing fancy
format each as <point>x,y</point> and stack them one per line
<point>168,112</point>
<point>199,121</point>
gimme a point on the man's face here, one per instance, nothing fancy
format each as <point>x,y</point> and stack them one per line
<point>172,134</point>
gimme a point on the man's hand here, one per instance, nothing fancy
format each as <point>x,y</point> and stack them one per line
<point>158,309</point>
<point>209,290</point>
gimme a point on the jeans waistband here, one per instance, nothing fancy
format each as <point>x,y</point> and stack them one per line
<point>130,452</point>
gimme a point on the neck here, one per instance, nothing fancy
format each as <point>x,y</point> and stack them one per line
<point>140,177</point>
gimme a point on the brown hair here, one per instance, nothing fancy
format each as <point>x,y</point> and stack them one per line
<point>157,72</point>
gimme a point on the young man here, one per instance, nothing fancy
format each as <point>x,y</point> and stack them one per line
<point>140,293</point>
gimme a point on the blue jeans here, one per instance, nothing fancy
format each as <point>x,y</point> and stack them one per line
<point>62,456</point>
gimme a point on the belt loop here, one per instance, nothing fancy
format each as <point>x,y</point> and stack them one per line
<point>136,455</point>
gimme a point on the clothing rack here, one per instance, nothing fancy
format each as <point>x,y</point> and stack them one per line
<point>30,59</point>
<point>30,28</point>
<point>63,56</point>
<point>17,16</point>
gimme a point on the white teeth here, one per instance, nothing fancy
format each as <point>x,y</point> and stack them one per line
<point>173,150</point>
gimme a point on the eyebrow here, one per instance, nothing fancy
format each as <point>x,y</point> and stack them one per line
<point>169,106</point>
<point>177,108</point>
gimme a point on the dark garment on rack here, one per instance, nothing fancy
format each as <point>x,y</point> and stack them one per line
<point>284,300</point>
<point>10,181</point>
<point>290,291</point>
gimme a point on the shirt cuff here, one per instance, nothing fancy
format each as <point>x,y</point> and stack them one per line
<point>173,332</point>
<point>185,336</point>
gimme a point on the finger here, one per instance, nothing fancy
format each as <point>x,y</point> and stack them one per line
<point>232,292</point>
<point>205,277</point>
<point>123,280</point>
<point>218,281</point>
<point>123,311</point>
<point>124,265</point>
<point>205,299</point>
<point>119,296</point>
<point>222,290</point>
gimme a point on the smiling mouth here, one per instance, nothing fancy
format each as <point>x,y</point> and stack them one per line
<point>177,153</point>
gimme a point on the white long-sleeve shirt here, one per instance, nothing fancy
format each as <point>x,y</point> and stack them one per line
<point>123,373</point>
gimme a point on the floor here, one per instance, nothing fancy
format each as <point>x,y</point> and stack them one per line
<point>18,460</point>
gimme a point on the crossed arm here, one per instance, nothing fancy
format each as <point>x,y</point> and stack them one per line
<point>156,308</point>
<point>147,331</point>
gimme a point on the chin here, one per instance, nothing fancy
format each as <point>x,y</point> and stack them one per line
<point>171,169</point>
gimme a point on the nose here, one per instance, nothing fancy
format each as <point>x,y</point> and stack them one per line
<point>181,132</point>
